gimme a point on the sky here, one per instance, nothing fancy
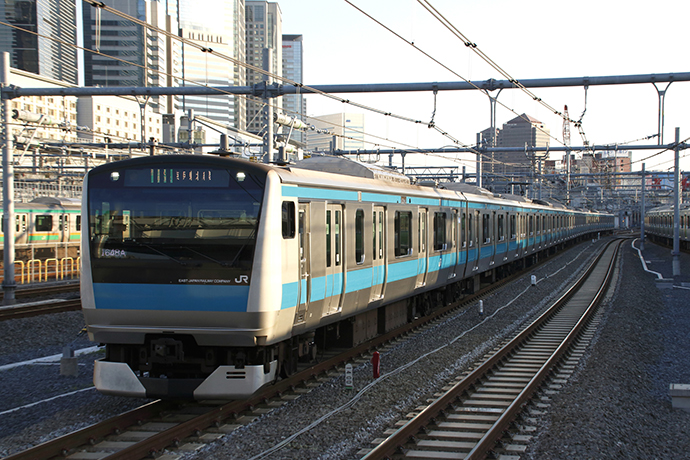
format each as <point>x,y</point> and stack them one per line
<point>529,39</point>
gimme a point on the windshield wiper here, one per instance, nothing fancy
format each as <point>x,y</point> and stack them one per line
<point>159,252</point>
<point>222,264</point>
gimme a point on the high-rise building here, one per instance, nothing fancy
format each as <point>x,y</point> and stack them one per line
<point>135,55</point>
<point>47,45</point>
<point>522,131</point>
<point>344,131</point>
<point>264,25</point>
<point>219,33</point>
<point>294,105</point>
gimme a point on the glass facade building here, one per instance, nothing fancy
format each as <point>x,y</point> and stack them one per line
<point>37,49</point>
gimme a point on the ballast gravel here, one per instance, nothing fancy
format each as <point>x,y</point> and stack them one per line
<point>615,405</point>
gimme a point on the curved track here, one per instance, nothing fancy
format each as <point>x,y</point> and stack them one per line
<point>472,418</point>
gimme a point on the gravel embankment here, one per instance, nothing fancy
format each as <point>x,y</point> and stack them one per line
<point>616,404</point>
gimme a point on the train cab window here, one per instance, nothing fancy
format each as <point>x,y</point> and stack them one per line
<point>440,231</point>
<point>403,233</point>
<point>288,218</point>
<point>486,228</point>
<point>44,223</point>
<point>501,223</point>
<point>359,236</point>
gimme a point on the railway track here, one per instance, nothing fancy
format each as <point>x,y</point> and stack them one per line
<point>475,417</point>
<point>41,307</point>
<point>161,425</point>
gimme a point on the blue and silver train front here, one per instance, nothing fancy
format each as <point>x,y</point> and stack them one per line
<point>168,278</point>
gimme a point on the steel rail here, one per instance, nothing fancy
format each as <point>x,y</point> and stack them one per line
<point>394,443</point>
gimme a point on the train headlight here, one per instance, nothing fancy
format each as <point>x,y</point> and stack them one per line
<point>114,176</point>
<point>240,177</point>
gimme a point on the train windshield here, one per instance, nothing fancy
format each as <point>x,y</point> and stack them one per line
<point>157,222</point>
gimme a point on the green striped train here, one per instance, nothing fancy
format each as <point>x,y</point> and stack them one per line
<point>210,277</point>
<point>46,222</point>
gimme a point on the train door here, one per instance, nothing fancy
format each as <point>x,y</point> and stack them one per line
<point>493,237</point>
<point>334,258</point>
<point>64,228</point>
<point>423,256</point>
<point>305,262</point>
<point>476,225</point>
<point>454,244</point>
<point>379,251</point>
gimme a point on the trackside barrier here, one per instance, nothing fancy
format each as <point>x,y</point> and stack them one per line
<point>28,272</point>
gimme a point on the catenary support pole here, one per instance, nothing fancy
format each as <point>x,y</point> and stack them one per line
<point>8,283</point>
<point>642,209</point>
<point>676,207</point>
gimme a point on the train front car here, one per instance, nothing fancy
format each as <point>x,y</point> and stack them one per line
<point>168,273</point>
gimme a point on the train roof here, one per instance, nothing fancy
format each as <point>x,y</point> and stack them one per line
<point>348,167</point>
<point>56,201</point>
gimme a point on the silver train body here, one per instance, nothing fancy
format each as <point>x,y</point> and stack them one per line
<point>209,277</point>
<point>658,225</point>
<point>45,221</point>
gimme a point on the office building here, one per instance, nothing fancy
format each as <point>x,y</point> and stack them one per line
<point>134,55</point>
<point>220,33</point>
<point>47,47</point>
<point>263,31</point>
<point>343,131</point>
<point>294,105</point>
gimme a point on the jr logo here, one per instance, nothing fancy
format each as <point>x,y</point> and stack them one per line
<point>243,279</point>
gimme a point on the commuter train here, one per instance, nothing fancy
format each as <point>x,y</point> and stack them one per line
<point>210,277</point>
<point>45,221</point>
<point>658,225</point>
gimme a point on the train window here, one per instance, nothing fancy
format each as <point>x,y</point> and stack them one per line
<point>513,228</point>
<point>328,238</point>
<point>374,235</point>
<point>288,217</point>
<point>403,240</point>
<point>359,236</point>
<point>538,228</point>
<point>439,231</point>
<point>471,230</point>
<point>421,231</point>
<point>337,238</point>
<point>454,229</point>
<point>77,224</point>
<point>486,228</point>
<point>381,234</point>
<point>44,223</point>
<point>501,223</point>
<point>462,230</point>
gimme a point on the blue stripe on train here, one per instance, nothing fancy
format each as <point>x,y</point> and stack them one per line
<point>175,297</point>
